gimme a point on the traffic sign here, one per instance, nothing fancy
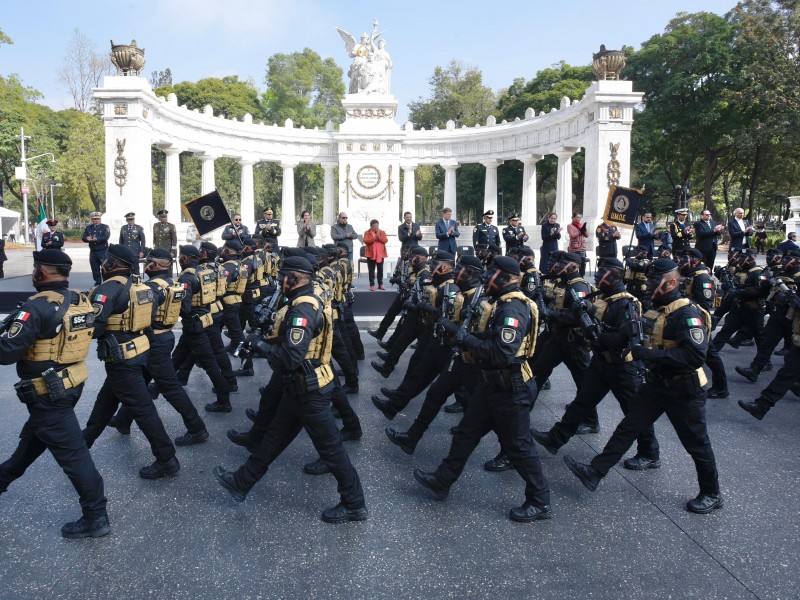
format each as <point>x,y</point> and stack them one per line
<point>26,189</point>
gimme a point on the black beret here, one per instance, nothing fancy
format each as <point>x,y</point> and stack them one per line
<point>294,252</point>
<point>494,248</point>
<point>571,257</point>
<point>248,241</point>
<point>313,260</point>
<point>329,246</point>
<point>609,262</point>
<point>298,264</point>
<point>694,253</point>
<point>235,245</point>
<point>343,245</point>
<point>526,251</point>
<point>122,253</point>
<point>189,250</point>
<point>209,248</point>
<point>419,251</point>
<point>773,251</point>
<point>471,261</point>
<point>444,256</point>
<point>661,266</point>
<point>159,253</point>
<point>663,248</point>
<point>162,212</point>
<point>268,239</point>
<point>52,257</point>
<point>506,264</point>
<point>747,252</point>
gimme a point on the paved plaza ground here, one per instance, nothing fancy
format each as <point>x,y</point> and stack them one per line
<point>632,538</point>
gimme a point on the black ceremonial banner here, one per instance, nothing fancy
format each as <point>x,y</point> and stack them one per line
<point>622,205</point>
<point>207,212</point>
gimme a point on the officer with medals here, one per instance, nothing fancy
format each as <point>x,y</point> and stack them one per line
<point>698,286</point>
<point>502,401</point>
<point>53,239</point>
<point>124,312</point>
<point>48,338</point>
<point>298,347</point>
<point>96,234</point>
<point>607,236</point>
<point>132,236</point>
<point>674,350</point>
<point>486,233</point>
<point>614,316</point>
<point>165,236</point>
<point>681,232</point>
<point>267,227</point>
<point>514,234</point>
<point>168,297</point>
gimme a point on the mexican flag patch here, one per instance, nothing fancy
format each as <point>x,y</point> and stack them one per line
<point>23,316</point>
<point>100,298</point>
<point>299,322</point>
<point>695,322</point>
<point>509,322</point>
<point>708,285</point>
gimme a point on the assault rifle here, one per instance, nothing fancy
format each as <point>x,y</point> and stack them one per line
<point>786,293</point>
<point>446,310</point>
<point>266,312</point>
<point>472,312</point>
<point>590,327</point>
<point>728,284</point>
<point>538,298</point>
<point>6,323</point>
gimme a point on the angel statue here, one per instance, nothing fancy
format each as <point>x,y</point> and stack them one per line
<point>369,71</point>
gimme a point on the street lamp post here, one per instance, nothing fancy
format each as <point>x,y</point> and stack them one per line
<point>22,173</point>
<point>502,208</point>
<point>313,199</point>
<point>53,185</point>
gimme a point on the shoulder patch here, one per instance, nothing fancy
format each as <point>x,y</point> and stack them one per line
<point>15,328</point>
<point>475,230</point>
<point>296,334</point>
<point>707,293</point>
<point>508,335</point>
<point>694,322</point>
<point>98,308</point>
<point>698,335</point>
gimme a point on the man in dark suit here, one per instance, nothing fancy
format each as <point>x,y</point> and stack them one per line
<point>647,233</point>
<point>739,229</point>
<point>707,233</point>
<point>790,243</point>
<point>447,232</point>
<point>408,233</point>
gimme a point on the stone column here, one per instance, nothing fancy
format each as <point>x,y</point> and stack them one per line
<point>490,190</point>
<point>793,222</point>
<point>450,198</point>
<point>530,215</point>
<point>172,184</point>
<point>563,207</point>
<point>288,217</point>
<point>329,195</point>
<point>208,184</point>
<point>248,196</point>
<point>409,189</point>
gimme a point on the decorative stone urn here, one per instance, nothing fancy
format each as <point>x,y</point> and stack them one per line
<point>128,58</point>
<point>608,64</point>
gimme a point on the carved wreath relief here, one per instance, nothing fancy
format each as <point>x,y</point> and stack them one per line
<point>120,166</point>
<point>614,169</point>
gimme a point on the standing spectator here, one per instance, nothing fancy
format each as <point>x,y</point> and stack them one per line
<point>551,233</point>
<point>96,235</point>
<point>790,243</point>
<point>646,233</point>
<point>739,229</point>
<point>681,232</point>
<point>708,234</point>
<point>3,257</point>
<point>408,233</point>
<point>375,239</point>
<point>486,232</point>
<point>306,230</point>
<point>607,236</point>
<point>52,239</point>
<point>761,239</point>
<point>514,235</point>
<point>38,233</point>
<point>342,231</point>
<point>12,235</point>
<point>268,227</point>
<point>194,238</point>
<point>577,239</point>
<point>447,232</point>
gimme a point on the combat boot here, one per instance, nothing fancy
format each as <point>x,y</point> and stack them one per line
<point>242,439</point>
<point>545,440</point>
<point>498,463</point>
<point>385,407</point>
<point>86,527</point>
<point>431,482</point>
<point>226,480</point>
<point>758,408</point>
<point>384,369</point>
<point>376,333</point>
<point>160,469</point>
<point>190,439</point>
<point>749,373</point>
<point>404,439</point>
<point>588,476</point>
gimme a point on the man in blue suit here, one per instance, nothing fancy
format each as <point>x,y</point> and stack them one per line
<point>447,232</point>
<point>647,233</point>
<point>790,243</point>
<point>739,229</point>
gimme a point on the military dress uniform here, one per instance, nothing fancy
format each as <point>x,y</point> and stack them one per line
<point>52,240</point>
<point>674,351</point>
<point>267,228</point>
<point>132,236</point>
<point>485,234</point>
<point>124,308</point>
<point>299,349</point>
<point>514,237</point>
<point>681,232</point>
<point>52,332</point>
<point>97,247</point>
<point>606,242</point>
<point>165,237</point>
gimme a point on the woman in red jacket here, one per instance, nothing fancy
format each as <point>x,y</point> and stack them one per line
<point>375,239</point>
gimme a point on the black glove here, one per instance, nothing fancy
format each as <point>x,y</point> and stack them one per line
<point>428,308</point>
<point>639,352</point>
<point>408,305</point>
<point>583,229</point>
<point>448,325</point>
<point>460,337</point>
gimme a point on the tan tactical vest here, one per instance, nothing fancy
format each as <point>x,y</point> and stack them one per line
<point>208,286</point>
<point>168,312</point>
<point>74,338</point>
<point>560,292</point>
<point>138,316</point>
<point>237,287</point>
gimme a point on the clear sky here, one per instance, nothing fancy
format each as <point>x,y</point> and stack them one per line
<point>214,38</point>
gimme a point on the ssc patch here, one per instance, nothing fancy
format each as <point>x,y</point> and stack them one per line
<point>15,328</point>
<point>508,335</point>
<point>475,230</point>
<point>531,286</point>
<point>708,293</point>
<point>698,335</point>
<point>296,335</point>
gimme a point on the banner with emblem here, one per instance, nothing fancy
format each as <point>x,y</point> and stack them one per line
<point>207,212</point>
<point>622,205</point>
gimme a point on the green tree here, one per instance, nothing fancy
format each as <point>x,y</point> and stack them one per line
<point>544,91</point>
<point>161,78</point>
<point>228,96</point>
<point>4,39</point>
<point>81,168</point>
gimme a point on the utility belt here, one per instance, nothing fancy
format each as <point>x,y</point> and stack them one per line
<point>215,307</point>
<point>510,379</point>
<point>52,383</point>
<point>197,323</point>
<point>689,383</point>
<point>231,299</point>
<point>109,350</point>
<point>252,294</point>
<point>159,328</point>
<point>310,377</point>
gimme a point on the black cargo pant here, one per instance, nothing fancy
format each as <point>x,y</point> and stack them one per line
<point>557,349</point>
<point>55,427</point>
<point>232,322</point>
<point>195,347</point>
<point>429,359</point>
<point>785,378</point>
<point>352,331</point>
<point>739,318</point>
<point>412,329</point>
<point>394,309</point>
<point>342,356</point>
<point>774,331</point>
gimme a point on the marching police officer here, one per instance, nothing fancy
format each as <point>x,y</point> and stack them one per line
<point>165,236</point>
<point>486,233</point>
<point>267,227</point>
<point>123,307</point>
<point>503,399</point>
<point>514,234</point>
<point>53,239</point>
<point>674,351</point>
<point>299,348</point>
<point>237,273</point>
<point>132,236</point>
<point>96,234</point>
<point>52,373</point>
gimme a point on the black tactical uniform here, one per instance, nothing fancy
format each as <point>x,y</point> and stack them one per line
<point>636,264</point>
<point>400,279</point>
<point>674,351</point>
<point>98,245</point>
<point>612,368</point>
<point>300,349</point>
<point>251,295</point>
<point>503,399</point>
<point>33,337</point>
<point>123,345</point>
<point>237,273</point>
